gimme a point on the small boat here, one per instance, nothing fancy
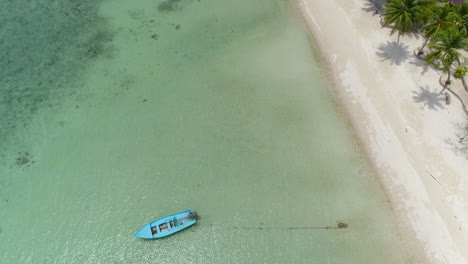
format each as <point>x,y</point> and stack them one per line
<point>168,225</point>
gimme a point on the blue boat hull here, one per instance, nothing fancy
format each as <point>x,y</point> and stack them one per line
<point>167,225</point>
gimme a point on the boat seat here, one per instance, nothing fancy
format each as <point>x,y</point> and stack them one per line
<point>163,227</point>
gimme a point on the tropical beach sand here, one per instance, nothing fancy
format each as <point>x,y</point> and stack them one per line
<point>415,141</point>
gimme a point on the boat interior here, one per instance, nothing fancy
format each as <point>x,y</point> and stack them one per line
<point>167,226</point>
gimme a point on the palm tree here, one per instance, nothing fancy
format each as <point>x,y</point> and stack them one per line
<point>441,19</point>
<point>445,50</point>
<point>405,15</point>
<point>461,11</point>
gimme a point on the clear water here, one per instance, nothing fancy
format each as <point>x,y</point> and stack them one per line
<point>115,113</point>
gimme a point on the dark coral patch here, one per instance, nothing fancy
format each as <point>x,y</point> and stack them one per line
<point>23,158</point>
<point>173,5</point>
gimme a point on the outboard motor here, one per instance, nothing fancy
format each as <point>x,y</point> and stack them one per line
<point>193,215</point>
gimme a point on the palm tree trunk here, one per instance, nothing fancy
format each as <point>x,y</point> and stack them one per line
<point>423,46</point>
<point>447,82</point>
<point>464,84</point>
<point>461,101</point>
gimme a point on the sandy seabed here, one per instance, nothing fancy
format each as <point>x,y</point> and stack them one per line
<point>416,142</point>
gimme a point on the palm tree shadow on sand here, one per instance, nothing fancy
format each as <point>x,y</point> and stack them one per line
<point>372,5</point>
<point>394,52</point>
<point>459,142</point>
<point>431,100</point>
<point>422,64</point>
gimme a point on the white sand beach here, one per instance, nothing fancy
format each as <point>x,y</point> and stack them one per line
<point>417,144</point>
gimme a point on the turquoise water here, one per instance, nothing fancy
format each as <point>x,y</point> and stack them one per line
<point>115,113</point>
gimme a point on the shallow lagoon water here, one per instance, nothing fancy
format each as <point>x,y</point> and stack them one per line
<point>115,113</point>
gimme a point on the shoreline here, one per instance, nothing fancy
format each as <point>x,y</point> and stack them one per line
<point>381,86</point>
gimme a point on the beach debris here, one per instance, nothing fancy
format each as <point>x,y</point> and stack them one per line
<point>434,177</point>
<point>447,98</point>
<point>342,225</point>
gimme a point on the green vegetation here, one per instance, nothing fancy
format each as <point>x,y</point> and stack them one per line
<point>444,25</point>
<point>440,20</point>
<point>445,50</point>
<point>461,11</point>
<point>405,15</point>
<point>460,72</point>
